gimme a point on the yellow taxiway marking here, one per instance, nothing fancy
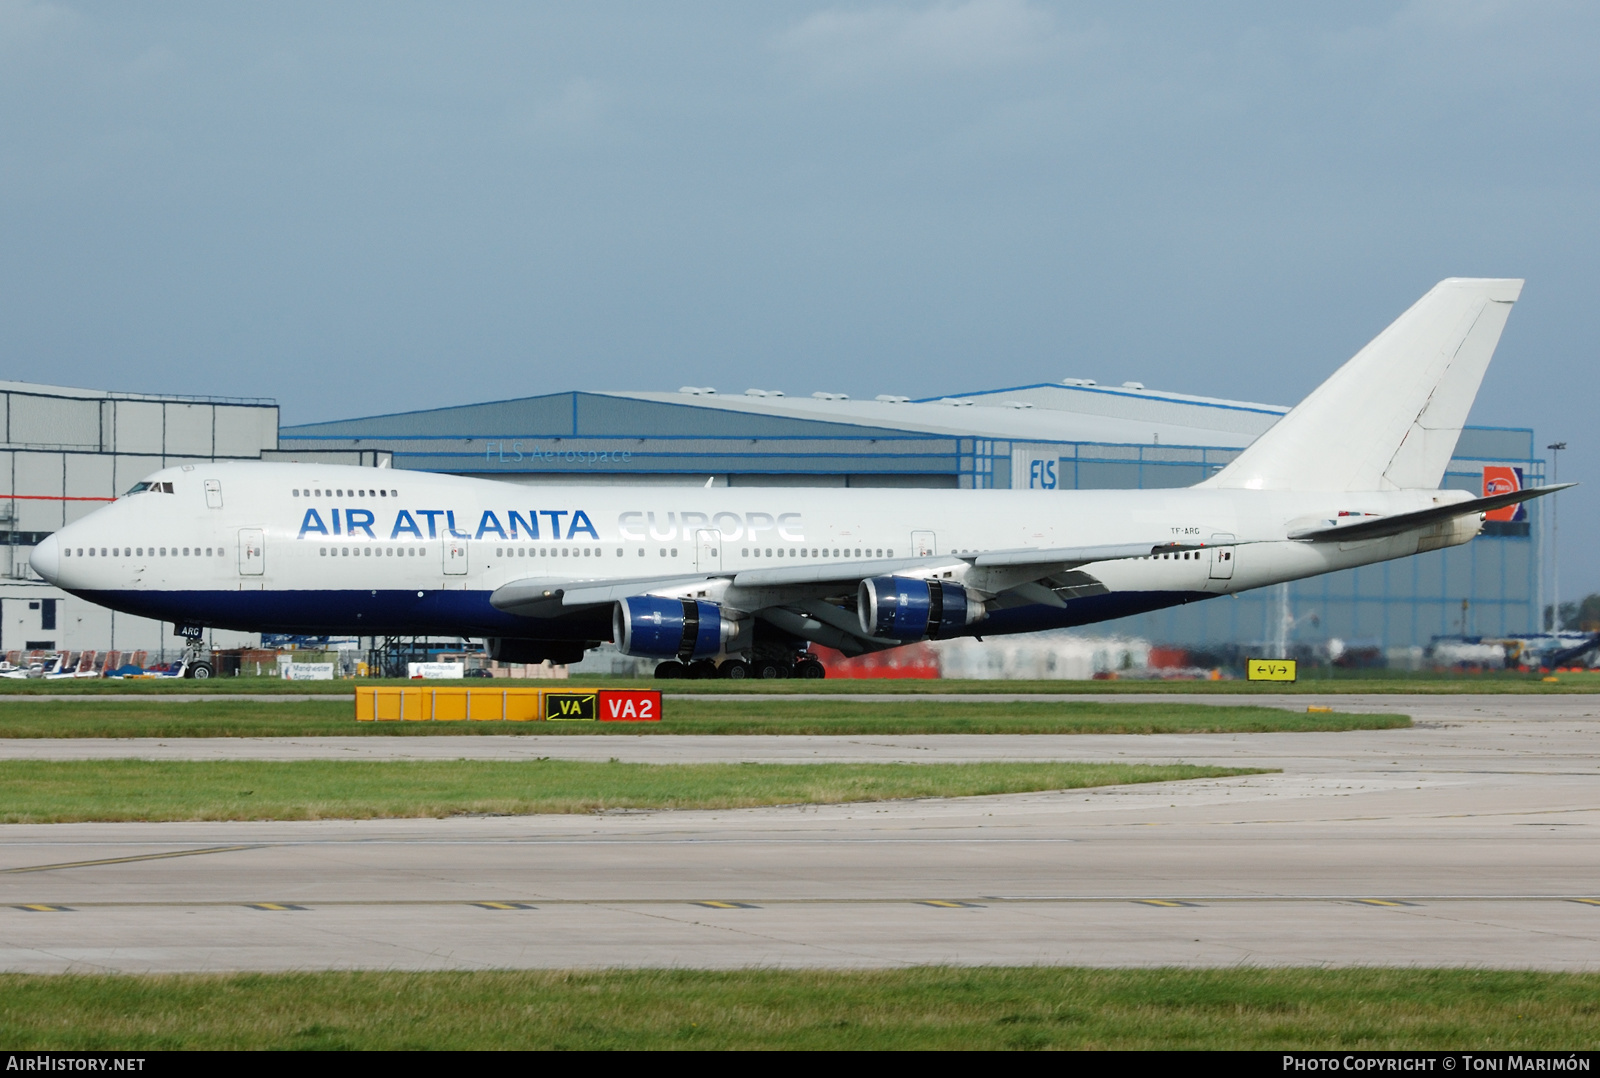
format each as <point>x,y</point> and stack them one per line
<point>503,905</point>
<point>1588,901</point>
<point>1382,902</point>
<point>717,905</point>
<point>125,860</point>
<point>1162,902</point>
<point>40,907</point>
<point>944,904</point>
<point>277,906</point>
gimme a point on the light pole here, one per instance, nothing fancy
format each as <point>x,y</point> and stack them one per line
<point>1555,537</point>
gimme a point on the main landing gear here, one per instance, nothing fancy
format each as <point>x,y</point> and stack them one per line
<point>800,665</point>
<point>192,664</point>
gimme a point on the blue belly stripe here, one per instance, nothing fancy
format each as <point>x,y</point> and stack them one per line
<point>469,614</point>
<point>350,613</point>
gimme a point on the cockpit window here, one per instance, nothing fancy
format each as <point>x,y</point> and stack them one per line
<point>153,488</point>
<point>136,488</point>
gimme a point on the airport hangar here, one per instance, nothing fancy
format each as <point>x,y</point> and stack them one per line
<point>1046,437</point>
<point>65,452</point>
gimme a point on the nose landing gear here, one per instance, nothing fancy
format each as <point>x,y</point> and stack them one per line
<point>195,662</point>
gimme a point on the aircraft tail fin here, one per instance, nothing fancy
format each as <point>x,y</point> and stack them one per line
<point>1390,417</point>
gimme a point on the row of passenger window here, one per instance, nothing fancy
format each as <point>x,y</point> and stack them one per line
<point>747,552</point>
<point>139,552</point>
<point>367,551</point>
<point>801,552</point>
<point>345,493</point>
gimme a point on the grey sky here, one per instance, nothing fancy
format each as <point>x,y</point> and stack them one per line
<point>367,208</point>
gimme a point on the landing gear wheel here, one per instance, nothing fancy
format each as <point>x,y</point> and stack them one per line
<point>702,669</point>
<point>201,671</point>
<point>810,670</point>
<point>766,669</point>
<point>734,670</point>
<point>671,670</point>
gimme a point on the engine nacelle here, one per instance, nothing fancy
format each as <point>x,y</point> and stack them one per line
<point>910,608</point>
<point>662,628</point>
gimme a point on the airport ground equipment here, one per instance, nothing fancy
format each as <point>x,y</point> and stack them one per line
<point>453,703</point>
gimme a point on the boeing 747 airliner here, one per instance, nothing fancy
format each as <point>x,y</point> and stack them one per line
<point>738,581</point>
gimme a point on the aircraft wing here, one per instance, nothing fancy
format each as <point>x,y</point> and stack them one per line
<point>1008,570</point>
<point>821,572</point>
<point>1382,527</point>
<point>548,597</point>
<point>1046,560</point>
<point>1074,556</point>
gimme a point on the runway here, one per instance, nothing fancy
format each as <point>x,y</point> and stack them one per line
<point>1472,839</point>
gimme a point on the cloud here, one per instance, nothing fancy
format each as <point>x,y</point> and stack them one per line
<point>839,46</point>
<point>25,24</point>
<point>580,106</point>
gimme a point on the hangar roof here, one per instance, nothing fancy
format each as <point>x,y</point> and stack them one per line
<point>1039,412</point>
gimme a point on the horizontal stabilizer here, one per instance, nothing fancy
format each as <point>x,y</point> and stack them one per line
<point>1381,527</point>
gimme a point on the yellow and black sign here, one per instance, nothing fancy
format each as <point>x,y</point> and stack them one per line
<point>1270,669</point>
<point>572,706</point>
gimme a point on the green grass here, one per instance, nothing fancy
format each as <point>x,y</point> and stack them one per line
<point>71,791</point>
<point>928,1008</point>
<point>758,715</point>
<point>1313,680</point>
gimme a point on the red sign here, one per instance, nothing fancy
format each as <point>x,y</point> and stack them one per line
<point>630,705</point>
<point>1503,479</point>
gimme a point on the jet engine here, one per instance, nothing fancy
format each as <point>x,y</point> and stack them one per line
<point>909,608</point>
<point>658,627</point>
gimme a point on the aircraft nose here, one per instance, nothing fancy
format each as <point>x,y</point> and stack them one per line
<point>46,559</point>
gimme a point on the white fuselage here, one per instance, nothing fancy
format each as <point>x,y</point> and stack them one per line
<point>309,548</point>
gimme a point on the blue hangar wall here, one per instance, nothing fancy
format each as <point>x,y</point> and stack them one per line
<point>1047,437</point>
